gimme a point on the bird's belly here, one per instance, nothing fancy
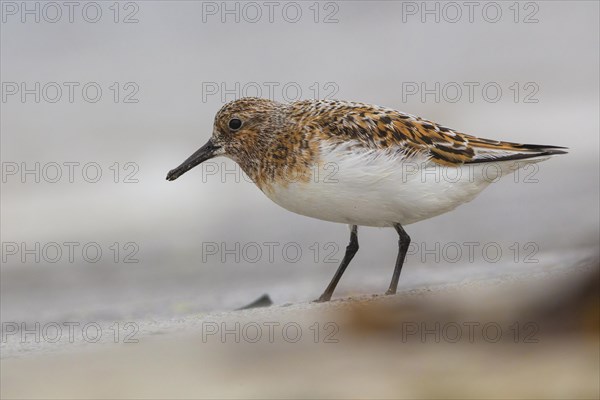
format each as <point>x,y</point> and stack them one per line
<point>378,191</point>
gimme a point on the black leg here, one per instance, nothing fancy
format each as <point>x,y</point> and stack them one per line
<point>351,250</point>
<point>403,242</point>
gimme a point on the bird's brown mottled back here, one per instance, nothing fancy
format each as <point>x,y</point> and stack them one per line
<point>388,129</point>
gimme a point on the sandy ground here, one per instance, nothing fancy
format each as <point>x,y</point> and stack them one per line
<point>528,334</point>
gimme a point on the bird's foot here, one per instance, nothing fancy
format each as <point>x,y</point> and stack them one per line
<point>323,298</point>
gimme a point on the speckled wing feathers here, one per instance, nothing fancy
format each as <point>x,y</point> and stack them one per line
<point>387,129</point>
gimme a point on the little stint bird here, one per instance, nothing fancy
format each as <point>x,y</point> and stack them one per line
<point>358,164</point>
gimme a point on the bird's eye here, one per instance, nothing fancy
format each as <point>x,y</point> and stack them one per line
<point>235,124</point>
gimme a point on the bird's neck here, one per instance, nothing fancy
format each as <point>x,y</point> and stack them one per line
<point>279,156</point>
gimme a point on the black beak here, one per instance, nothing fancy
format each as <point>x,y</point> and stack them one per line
<point>204,153</point>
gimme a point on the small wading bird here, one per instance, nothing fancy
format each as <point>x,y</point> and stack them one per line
<point>288,149</point>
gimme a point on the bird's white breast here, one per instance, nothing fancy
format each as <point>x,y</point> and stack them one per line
<point>358,186</point>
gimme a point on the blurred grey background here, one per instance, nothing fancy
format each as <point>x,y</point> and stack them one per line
<point>172,60</point>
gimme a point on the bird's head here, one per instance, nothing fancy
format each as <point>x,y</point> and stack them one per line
<point>241,129</point>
